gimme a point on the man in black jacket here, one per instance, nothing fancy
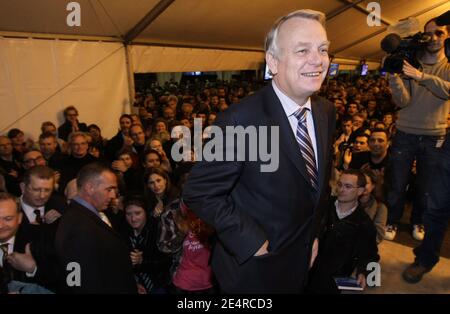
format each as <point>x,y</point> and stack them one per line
<point>78,158</point>
<point>268,215</point>
<point>84,238</point>
<point>71,124</point>
<point>38,202</point>
<point>349,242</point>
<point>26,255</point>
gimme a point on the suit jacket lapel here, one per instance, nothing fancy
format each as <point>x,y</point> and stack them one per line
<point>96,219</point>
<point>320,126</point>
<point>288,143</point>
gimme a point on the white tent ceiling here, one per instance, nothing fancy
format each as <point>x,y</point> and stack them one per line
<point>218,24</point>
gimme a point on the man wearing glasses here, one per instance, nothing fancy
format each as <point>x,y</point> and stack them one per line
<point>38,202</point>
<point>79,157</point>
<point>71,124</point>
<point>349,241</point>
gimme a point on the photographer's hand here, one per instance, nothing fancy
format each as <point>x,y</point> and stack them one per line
<point>411,71</point>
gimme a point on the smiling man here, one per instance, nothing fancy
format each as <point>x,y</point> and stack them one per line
<point>267,222</point>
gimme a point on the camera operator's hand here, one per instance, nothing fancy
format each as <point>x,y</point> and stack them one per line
<point>411,71</point>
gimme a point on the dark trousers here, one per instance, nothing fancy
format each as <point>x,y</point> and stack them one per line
<point>437,214</point>
<point>405,149</point>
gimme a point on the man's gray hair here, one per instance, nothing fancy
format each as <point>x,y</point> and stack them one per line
<point>73,135</point>
<point>272,37</point>
<point>91,173</point>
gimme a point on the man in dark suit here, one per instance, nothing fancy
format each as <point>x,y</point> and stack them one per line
<point>38,202</point>
<point>268,222</point>
<point>71,124</point>
<point>84,236</point>
<point>79,157</point>
<point>26,256</point>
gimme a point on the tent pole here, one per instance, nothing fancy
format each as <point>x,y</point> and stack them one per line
<point>130,76</point>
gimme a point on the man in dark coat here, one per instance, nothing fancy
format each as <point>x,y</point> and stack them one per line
<point>85,237</point>
<point>71,124</point>
<point>27,255</point>
<point>268,216</point>
<point>349,242</point>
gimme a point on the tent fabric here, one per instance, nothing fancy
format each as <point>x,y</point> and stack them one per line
<point>217,24</point>
<point>170,59</point>
<point>39,78</point>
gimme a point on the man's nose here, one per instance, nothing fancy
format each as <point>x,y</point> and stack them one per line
<point>315,58</point>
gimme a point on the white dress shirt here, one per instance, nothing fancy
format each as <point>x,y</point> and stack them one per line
<point>290,107</point>
<point>29,211</point>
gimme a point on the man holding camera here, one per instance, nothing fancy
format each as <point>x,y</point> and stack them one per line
<point>437,214</point>
<point>423,96</point>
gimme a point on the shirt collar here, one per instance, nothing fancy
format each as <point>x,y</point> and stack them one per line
<point>343,215</point>
<point>25,206</point>
<point>289,106</point>
<point>11,244</point>
<point>81,201</point>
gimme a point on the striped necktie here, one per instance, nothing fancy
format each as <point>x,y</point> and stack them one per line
<point>7,270</point>
<point>4,248</point>
<point>306,147</point>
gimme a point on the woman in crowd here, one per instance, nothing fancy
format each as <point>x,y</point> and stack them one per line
<point>163,204</point>
<point>193,274</point>
<point>151,266</point>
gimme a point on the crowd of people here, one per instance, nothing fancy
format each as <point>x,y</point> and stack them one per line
<point>146,210</point>
<point>115,208</point>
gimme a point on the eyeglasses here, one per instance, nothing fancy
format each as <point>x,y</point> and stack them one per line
<point>80,144</point>
<point>33,160</point>
<point>438,33</point>
<point>346,186</point>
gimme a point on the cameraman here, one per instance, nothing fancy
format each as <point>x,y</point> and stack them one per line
<point>423,97</point>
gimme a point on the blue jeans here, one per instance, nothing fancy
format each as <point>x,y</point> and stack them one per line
<point>27,288</point>
<point>437,214</point>
<point>405,149</point>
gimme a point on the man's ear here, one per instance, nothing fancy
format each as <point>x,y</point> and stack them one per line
<point>88,188</point>
<point>272,62</point>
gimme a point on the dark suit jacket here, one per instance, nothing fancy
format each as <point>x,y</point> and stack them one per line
<point>348,244</point>
<point>65,129</point>
<point>113,146</point>
<point>70,166</point>
<point>103,256</point>
<point>247,206</point>
<point>56,202</point>
<point>43,251</point>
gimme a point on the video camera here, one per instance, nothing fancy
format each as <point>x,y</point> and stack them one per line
<point>400,49</point>
<point>407,48</point>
